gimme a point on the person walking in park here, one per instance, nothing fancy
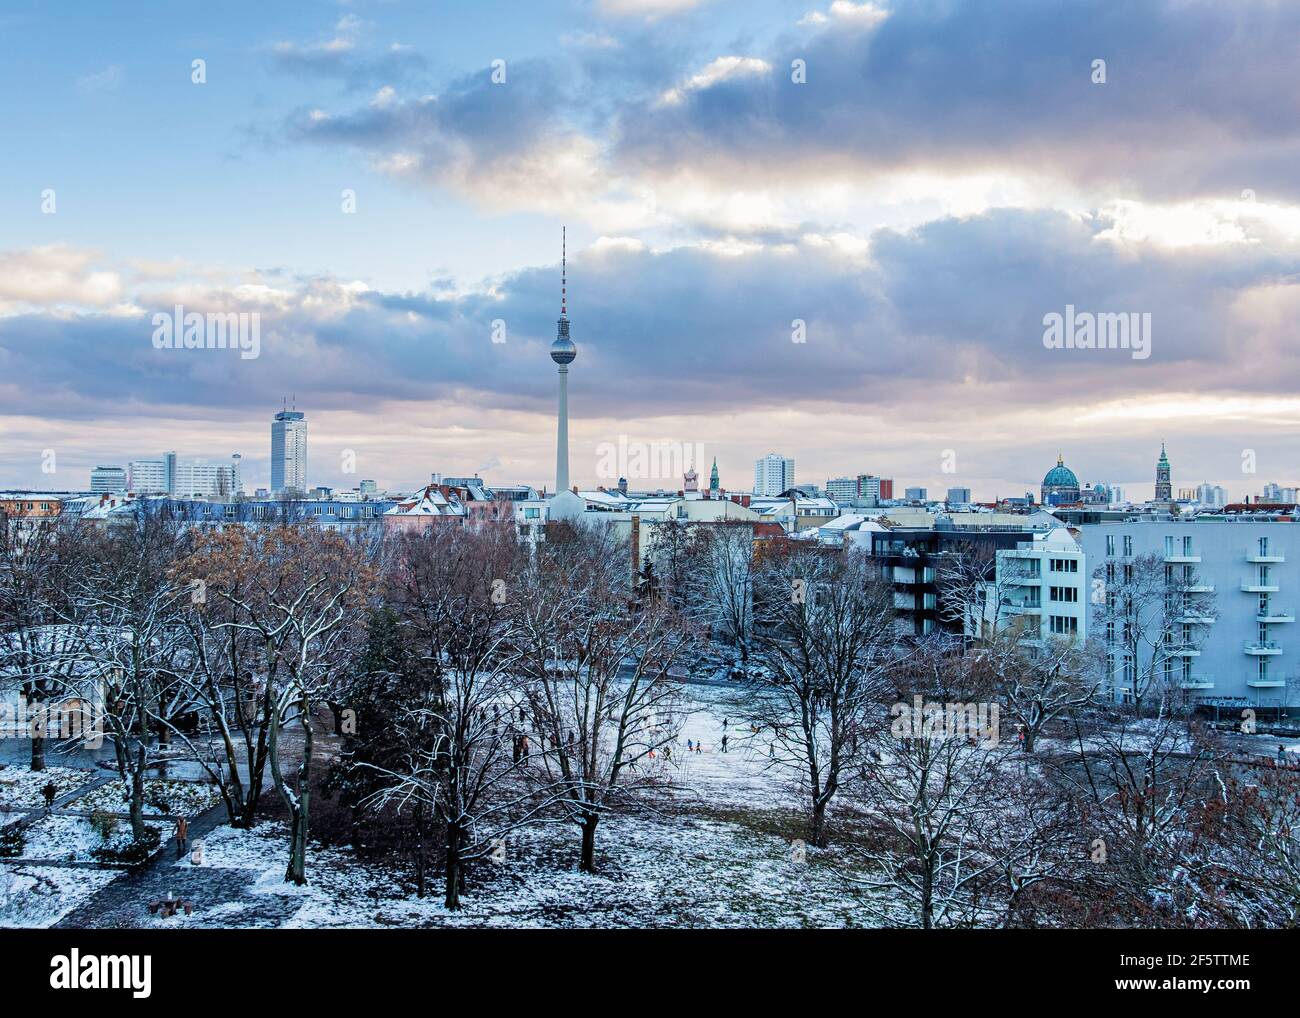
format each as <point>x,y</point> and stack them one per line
<point>724,744</point>
<point>182,837</point>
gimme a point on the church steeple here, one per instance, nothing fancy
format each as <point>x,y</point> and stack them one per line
<point>714,484</point>
<point>1164,486</point>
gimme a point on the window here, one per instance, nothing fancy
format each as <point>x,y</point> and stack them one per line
<point>1065,565</point>
<point>1169,545</point>
<point>1068,595</point>
<point>1110,638</point>
<point>1187,544</point>
<point>1128,544</point>
<point>1064,625</point>
<point>1110,544</point>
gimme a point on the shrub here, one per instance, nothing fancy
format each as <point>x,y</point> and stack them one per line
<point>104,823</point>
<point>132,853</point>
<point>12,842</point>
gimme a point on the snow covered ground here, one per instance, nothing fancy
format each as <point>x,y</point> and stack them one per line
<point>20,788</point>
<point>724,858</point>
<point>70,839</point>
<point>38,896</point>
<point>180,798</point>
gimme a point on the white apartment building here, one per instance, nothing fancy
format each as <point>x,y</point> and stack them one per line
<point>842,489</point>
<point>152,477</point>
<point>207,480</point>
<point>107,480</point>
<point>1040,589</point>
<point>773,474</point>
<point>1247,654</point>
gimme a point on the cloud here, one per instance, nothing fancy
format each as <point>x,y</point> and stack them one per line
<point>940,86</point>
<point>345,56</point>
<point>721,69</point>
<point>106,80</point>
<point>645,8</point>
<point>56,276</point>
<point>953,307</point>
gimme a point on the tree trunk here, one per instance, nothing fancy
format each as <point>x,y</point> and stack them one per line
<point>301,811</point>
<point>297,869</point>
<point>137,796</point>
<point>1030,735</point>
<point>927,895</point>
<point>38,748</point>
<point>453,876</point>
<point>419,849</point>
<point>587,864</point>
<point>817,829</point>
<point>37,723</point>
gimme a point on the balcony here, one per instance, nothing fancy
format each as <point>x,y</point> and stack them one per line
<point>1255,587</point>
<point>1267,682</point>
<point>1197,588</point>
<point>1264,559</point>
<point>1262,648</point>
<point>1197,682</point>
<point>1022,579</point>
<point>1275,615</point>
<point>1185,652</point>
<point>1179,557</point>
<point>1197,620</point>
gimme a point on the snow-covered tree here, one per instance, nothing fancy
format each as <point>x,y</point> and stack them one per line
<point>596,655</point>
<point>826,637</point>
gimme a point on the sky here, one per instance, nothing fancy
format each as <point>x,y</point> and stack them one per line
<point>832,229</point>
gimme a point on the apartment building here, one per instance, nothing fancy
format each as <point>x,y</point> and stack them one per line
<point>1040,590</point>
<point>1241,648</point>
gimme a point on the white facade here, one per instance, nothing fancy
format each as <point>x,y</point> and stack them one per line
<point>773,474</point>
<point>152,477</point>
<point>206,480</point>
<point>842,489</point>
<point>1041,588</point>
<point>1211,495</point>
<point>107,480</point>
<point>1249,653</point>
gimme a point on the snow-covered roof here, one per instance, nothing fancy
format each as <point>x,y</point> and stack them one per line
<point>430,502</point>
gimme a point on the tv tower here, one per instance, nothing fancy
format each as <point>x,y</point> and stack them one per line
<point>562,352</point>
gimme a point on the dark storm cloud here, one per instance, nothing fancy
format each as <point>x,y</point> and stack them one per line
<point>1199,97</point>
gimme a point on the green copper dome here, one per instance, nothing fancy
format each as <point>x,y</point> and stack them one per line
<point>1060,476</point>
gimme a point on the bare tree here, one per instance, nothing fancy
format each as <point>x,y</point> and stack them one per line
<point>599,692</point>
<point>300,594</point>
<point>1038,685</point>
<point>122,610</point>
<point>826,637</point>
<point>1150,614</point>
<point>727,583</point>
<point>466,751</point>
<point>37,566</point>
